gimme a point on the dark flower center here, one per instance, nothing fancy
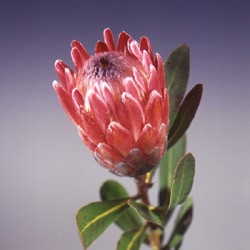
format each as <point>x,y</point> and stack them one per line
<point>107,66</point>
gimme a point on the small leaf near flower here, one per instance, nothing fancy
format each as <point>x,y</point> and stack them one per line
<point>167,168</point>
<point>113,190</point>
<point>182,223</point>
<point>146,213</point>
<point>177,73</point>
<point>132,240</point>
<point>93,219</point>
<point>183,180</point>
<point>185,115</point>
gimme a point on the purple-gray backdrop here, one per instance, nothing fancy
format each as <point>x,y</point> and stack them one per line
<point>46,173</point>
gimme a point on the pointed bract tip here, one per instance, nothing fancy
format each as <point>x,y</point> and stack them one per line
<point>55,84</point>
<point>58,61</point>
<point>73,43</point>
<point>106,30</point>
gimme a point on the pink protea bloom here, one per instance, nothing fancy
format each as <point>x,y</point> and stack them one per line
<point>118,101</point>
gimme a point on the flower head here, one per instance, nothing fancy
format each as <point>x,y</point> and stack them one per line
<point>118,101</point>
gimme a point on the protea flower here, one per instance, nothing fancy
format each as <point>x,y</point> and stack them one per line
<point>118,101</point>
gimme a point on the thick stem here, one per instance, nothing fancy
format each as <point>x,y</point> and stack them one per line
<point>142,189</point>
<point>143,184</point>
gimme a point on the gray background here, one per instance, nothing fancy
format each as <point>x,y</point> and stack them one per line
<point>46,173</point>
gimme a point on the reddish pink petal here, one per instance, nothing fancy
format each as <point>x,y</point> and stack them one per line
<point>145,45</point>
<point>66,101</point>
<point>154,110</point>
<point>154,157</point>
<point>76,58</point>
<point>133,48</point>
<point>70,80</point>
<point>109,39</point>
<point>160,70</point>
<point>82,51</point>
<point>77,99</point>
<point>162,138</point>
<point>119,138</point>
<point>107,156</point>
<point>139,80</point>
<point>122,41</point>
<point>122,169</point>
<point>104,163</point>
<point>101,47</point>
<point>86,139</point>
<point>121,116</point>
<point>60,68</point>
<point>153,83</point>
<point>135,113</point>
<point>138,163</point>
<point>147,140</point>
<point>91,128</point>
<point>99,110</point>
<point>146,62</point>
<point>108,97</point>
<point>135,160</point>
<point>130,87</point>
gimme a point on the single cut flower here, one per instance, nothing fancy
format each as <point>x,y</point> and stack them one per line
<point>118,101</point>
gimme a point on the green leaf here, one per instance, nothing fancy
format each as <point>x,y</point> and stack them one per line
<point>177,74</point>
<point>132,240</point>
<point>183,180</point>
<point>93,219</point>
<point>185,115</point>
<point>185,215</point>
<point>146,213</point>
<point>113,190</point>
<point>182,223</point>
<point>167,168</point>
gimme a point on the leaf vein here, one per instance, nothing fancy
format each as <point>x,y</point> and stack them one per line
<point>103,215</point>
<point>136,236</point>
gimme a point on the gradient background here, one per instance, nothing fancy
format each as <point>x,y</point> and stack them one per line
<point>46,173</point>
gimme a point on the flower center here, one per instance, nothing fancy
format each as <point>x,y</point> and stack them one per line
<point>107,66</point>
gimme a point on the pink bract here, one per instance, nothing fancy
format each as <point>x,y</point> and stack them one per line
<point>118,101</point>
